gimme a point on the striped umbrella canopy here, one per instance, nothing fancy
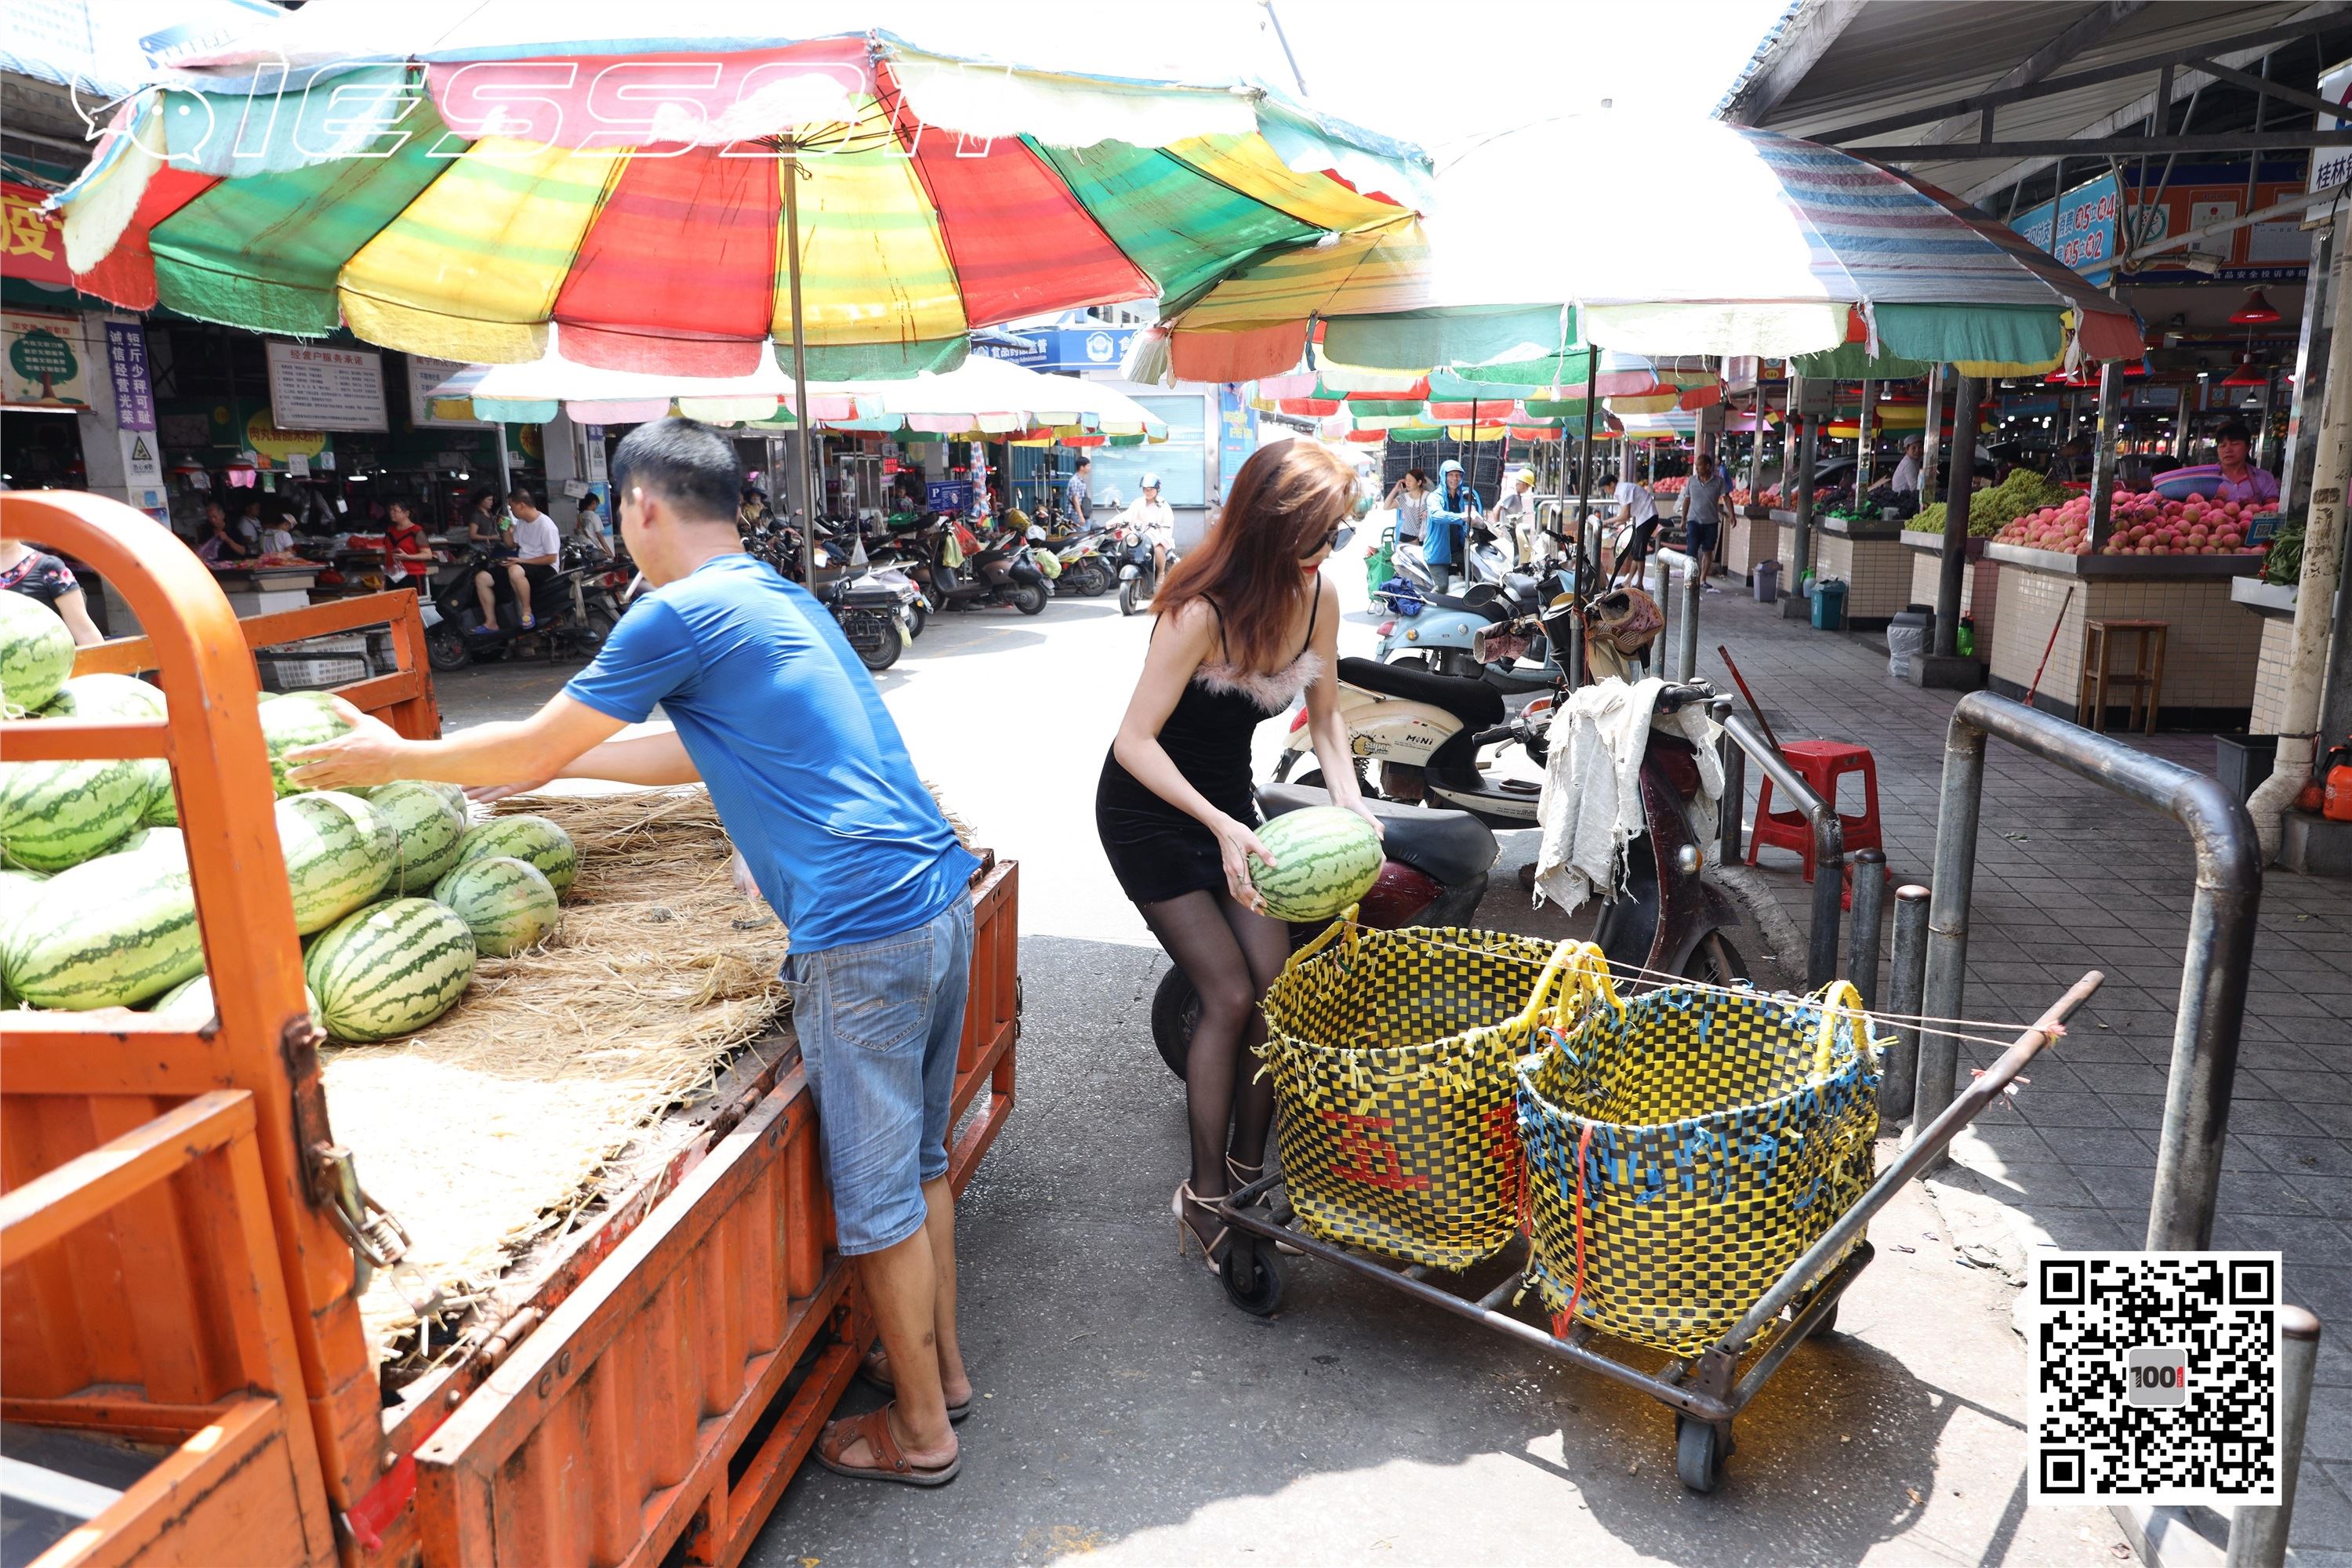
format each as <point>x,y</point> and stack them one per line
<point>985,398</point>
<point>453,177</point>
<point>1818,250</point>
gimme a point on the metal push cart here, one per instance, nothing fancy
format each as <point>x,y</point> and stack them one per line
<point>1706,1392</point>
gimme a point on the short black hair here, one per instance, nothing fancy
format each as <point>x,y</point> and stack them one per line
<point>2234,430</point>
<point>1421,474</point>
<point>684,462</point>
<point>524,496</point>
<point>1085,461</point>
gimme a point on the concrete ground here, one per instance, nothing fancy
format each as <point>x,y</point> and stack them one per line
<point>1127,1412</point>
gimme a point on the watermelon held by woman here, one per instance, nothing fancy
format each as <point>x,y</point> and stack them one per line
<point>389,969</point>
<point>427,827</point>
<point>36,654</point>
<point>531,838</point>
<point>1326,858</point>
<point>507,904</point>
<point>339,855</point>
<point>105,934</point>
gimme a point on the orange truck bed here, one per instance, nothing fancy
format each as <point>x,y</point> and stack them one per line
<point>173,1270</point>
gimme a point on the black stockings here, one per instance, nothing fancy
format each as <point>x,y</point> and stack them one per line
<point>1231,955</point>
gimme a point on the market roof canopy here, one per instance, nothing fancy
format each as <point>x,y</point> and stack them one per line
<point>1828,248</point>
<point>470,180</point>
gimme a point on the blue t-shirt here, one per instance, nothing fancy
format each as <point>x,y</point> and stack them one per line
<point>783,724</point>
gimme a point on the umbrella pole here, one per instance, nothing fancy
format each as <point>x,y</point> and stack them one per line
<point>804,470</point>
<point>1585,588</point>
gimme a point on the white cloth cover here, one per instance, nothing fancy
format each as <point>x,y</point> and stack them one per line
<point>1592,803</point>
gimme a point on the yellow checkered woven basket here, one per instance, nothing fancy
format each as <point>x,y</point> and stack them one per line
<point>1686,1147</point>
<point>1392,1055</point>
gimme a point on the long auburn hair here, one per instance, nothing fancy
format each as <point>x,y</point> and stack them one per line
<point>1287,497</point>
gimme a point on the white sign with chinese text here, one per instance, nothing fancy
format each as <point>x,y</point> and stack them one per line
<point>318,387</point>
<point>425,374</point>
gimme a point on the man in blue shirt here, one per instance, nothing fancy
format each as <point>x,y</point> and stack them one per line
<point>772,710</point>
<point>1455,508</point>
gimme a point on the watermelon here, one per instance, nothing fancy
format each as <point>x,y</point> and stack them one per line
<point>105,934</point>
<point>507,904</point>
<point>531,838</point>
<point>166,841</point>
<point>339,855</point>
<point>18,890</point>
<point>427,828</point>
<point>36,654</point>
<point>1326,858</point>
<point>389,969</point>
<point>297,718</point>
<point>56,814</point>
<point>117,697</point>
<point>193,1000</point>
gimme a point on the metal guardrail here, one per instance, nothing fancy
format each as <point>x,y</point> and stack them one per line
<point>2219,950</point>
<point>1829,839</point>
<point>1684,616</point>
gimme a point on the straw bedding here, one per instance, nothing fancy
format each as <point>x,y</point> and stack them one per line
<point>491,1126</point>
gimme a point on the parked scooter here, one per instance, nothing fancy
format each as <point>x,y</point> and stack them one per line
<point>1493,631</point>
<point>1423,734</point>
<point>1086,571</point>
<point>871,616</point>
<point>456,635</point>
<point>1433,874</point>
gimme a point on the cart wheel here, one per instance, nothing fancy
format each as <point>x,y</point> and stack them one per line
<point>1700,1450</point>
<point>1253,1282</point>
<point>1828,1325</point>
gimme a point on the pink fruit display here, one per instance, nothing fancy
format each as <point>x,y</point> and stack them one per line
<point>2143,525</point>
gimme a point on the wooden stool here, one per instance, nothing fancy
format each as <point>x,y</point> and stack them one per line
<point>2147,675</point>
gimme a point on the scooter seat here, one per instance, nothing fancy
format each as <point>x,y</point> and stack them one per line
<point>1468,699</point>
<point>1522,586</point>
<point>1490,610</point>
<point>1449,846</point>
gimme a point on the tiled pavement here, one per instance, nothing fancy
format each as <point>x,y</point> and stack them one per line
<point>2071,877</point>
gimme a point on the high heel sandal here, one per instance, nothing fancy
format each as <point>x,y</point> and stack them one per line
<point>1187,1238</point>
<point>1240,1176</point>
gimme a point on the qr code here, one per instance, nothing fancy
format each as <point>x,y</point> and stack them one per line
<point>2156,1377</point>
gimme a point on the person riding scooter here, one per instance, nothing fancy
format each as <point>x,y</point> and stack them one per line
<point>536,545</point>
<point>1157,521</point>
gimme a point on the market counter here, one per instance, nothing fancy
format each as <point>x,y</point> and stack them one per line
<point>2211,646</point>
<point>1869,557</point>
<point>1750,539</point>
<point>1979,586</point>
<point>2273,607</point>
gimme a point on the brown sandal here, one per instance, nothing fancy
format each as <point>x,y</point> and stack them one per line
<point>876,1370</point>
<point>874,1426</point>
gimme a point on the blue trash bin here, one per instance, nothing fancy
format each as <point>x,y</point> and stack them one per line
<point>1829,604</point>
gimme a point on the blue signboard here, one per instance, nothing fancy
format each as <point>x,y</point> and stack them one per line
<point>1236,434</point>
<point>1067,348</point>
<point>2079,228</point>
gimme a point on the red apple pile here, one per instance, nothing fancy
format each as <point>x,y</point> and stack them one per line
<point>2143,525</point>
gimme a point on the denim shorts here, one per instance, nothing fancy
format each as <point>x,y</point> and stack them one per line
<point>879,1022</point>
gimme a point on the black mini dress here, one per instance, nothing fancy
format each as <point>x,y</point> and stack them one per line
<point>1157,851</point>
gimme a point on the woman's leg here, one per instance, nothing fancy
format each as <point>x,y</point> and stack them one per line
<point>1265,944</point>
<point>1193,930</point>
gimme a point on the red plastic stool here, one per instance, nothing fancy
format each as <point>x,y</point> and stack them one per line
<point>1821,764</point>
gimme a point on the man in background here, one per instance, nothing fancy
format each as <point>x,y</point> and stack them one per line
<point>1706,511</point>
<point>1082,492</point>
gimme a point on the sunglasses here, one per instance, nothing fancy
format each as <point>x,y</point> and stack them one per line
<point>1334,541</point>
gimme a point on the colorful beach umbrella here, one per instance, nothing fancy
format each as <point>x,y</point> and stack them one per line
<point>1821,250</point>
<point>453,179</point>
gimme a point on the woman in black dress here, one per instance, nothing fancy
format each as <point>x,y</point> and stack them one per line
<point>1250,627</point>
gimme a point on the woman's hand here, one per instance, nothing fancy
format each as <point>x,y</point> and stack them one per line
<point>1235,844</point>
<point>1364,811</point>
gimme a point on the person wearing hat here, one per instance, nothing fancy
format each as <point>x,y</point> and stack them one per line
<point>1906,472</point>
<point>1512,521</point>
<point>1155,520</point>
<point>1456,505</point>
<point>2240,480</point>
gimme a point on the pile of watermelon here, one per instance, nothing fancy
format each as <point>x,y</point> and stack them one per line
<point>395,892</point>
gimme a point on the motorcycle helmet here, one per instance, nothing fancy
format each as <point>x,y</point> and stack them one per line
<point>1150,481</point>
<point>1014,517</point>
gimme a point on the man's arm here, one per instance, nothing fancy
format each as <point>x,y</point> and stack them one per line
<point>545,746</point>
